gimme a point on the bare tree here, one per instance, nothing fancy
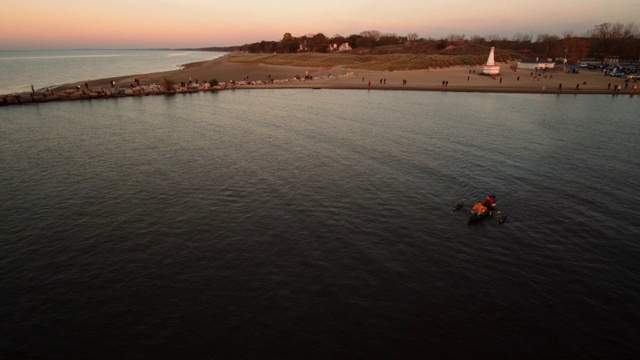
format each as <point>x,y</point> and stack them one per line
<point>494,37</point>
<point>547,38</point>
<point>477,39</point>
<point>371,34</point>
<point>369,38</point>
<point>614,39</point>
<point>520,37</point>
<point>388,39</point>
<point>575,48</point>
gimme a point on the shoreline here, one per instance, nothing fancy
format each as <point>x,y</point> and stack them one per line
<point>197,77</point>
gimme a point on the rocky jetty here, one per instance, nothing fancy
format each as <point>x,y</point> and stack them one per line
<point>96,93</point>
<point>145,90</point>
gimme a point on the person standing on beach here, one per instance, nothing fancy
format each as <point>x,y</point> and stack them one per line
<point>32,89</point>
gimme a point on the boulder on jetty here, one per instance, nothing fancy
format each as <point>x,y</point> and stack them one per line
<point>25,98</point>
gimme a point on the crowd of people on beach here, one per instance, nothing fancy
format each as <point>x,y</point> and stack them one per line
<point>136,87</point>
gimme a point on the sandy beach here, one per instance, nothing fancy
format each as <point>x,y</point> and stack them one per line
<point>462,79</point>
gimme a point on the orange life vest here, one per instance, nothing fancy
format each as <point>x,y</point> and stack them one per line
<point>478,208</point>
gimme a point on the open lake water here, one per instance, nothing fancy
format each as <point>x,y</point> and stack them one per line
<point>319,224</point>
<point>47,68</point>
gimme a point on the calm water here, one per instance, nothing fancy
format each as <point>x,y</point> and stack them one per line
<point>318,224</point>
<point>43,68</point>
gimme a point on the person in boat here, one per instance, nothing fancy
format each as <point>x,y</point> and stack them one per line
<point>486,205</point>
<point>489,202</point>
<point>478,209</point>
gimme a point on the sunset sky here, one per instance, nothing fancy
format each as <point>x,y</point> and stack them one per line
<point>47,24</point>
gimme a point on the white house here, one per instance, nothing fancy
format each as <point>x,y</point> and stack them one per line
<point>342,47</point>
<point>536,65</point>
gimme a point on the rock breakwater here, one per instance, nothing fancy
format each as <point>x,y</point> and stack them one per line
<point>96,93</point>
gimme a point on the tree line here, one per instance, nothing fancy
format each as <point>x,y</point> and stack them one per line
<point>603,40</point>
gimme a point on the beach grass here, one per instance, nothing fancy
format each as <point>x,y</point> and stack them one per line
<point>384,62</point>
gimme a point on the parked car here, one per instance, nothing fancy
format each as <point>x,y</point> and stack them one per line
<point>617,74</point>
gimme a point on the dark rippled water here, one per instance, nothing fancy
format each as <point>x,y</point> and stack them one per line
<point>318,224</point>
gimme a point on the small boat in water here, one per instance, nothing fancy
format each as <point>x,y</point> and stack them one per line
<point>474,217</point>
<point>501,216</point>
<point>482,210</point>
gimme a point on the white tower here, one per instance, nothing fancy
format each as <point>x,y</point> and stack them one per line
<point>491,68</point>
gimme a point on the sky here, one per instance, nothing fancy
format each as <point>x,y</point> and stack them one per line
<point>125,24</point>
